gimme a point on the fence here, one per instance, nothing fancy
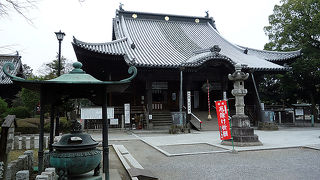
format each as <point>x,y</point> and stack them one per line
<point>29,142</point>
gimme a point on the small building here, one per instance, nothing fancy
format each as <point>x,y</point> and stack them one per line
<point>5,82</point>
<point>163,45</point>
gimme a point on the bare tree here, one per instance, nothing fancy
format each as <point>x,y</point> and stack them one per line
<point>19,6</point>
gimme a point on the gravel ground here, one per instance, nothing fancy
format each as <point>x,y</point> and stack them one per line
<point>293,163</point>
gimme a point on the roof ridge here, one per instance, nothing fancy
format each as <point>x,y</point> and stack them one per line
<point>166,17</point>
<point>161,14</point>
<point>126,33</point>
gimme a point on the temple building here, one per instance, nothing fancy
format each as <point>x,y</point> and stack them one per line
<point>5,82</point>
<point>162,46</point>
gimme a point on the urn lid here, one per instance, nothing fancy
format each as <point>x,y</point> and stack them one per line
<point>75,141</point>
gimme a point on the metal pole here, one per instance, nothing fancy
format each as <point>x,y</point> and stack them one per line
<point>105,134</point>
<point>230,122</point>
<point>40,152</point>
<point>51,127</point>
<point>57,123</point>
<point>258,98</point>
<point>59,72</point>
<point>59,59</point>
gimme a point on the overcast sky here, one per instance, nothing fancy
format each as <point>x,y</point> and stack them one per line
<point>240,22</point>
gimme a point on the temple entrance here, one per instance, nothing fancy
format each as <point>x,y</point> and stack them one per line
<point>159,99</point>
<point>159,95</point>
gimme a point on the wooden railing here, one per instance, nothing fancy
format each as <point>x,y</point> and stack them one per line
<point>6,139</point>
<point>157,106</point>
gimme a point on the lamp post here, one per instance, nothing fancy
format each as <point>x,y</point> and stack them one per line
<point>60,36</point>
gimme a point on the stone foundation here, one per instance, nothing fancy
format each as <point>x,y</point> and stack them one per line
<point>241,144</point>
<point>242,133</point>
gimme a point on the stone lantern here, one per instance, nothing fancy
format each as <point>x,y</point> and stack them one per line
<point>243,134</point>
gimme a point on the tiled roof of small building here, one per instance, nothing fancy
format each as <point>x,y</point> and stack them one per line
<point>161,40</point>
<point>16,60</point>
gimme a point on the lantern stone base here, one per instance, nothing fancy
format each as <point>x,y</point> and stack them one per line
<point>241,144</point>
<point>242,133</point>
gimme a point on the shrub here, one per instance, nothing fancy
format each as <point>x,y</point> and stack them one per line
<point>3,107</point>
<point>64,124</point>
<point>25,127</point>
<point>29,125</point>
<point>20,112</point>
<point>47,127</point>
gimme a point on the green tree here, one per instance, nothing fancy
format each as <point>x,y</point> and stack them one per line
<point>50,70</point>
<point>27,98</point>
<point>3,107</point>
<point>295,24</point>
<point>27,71</point>
<point>30,98</point>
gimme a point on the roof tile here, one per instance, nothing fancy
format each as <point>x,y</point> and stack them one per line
<point>177,42</point>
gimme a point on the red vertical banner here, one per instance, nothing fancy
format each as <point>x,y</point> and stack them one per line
<point>223,120</point>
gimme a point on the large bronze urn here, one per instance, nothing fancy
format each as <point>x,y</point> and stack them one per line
<point>75,153</point>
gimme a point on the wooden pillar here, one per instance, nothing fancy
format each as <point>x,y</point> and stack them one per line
<point>110,94</point>
<point>105,134</point>
<point>51,127</point>
<point>57,122</point>
<point>41,134</point>
<point>149,100</point>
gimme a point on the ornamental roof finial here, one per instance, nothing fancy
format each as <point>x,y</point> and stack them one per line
<point>207,14</point>
<point>120,7</point>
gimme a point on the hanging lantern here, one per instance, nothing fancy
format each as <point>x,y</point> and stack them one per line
<point>205,86</point>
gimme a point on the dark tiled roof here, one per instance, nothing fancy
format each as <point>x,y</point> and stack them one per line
<point>16,60</point>
<point>160,40</point>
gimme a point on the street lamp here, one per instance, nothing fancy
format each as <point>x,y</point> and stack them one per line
<point>60,36</point>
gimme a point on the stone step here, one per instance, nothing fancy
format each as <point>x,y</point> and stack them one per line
<point>161,119</point>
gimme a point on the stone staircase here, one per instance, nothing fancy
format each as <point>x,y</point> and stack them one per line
<point>161,119</point>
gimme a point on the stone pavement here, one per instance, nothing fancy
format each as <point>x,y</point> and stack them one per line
<point>199,154</point>
<point>283,138</point>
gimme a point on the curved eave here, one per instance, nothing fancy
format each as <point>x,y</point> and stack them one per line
<point>199,59</point>
<point>268,55</point>
<point>76,77</point>
<point>16,60</point>
<point>155,65</point>
<point>196,62</point>
<point>284,69</point>
<point>48,82</point>
<point>109,48</point>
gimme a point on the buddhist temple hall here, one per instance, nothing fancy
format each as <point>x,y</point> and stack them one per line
<point>170,52</point>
